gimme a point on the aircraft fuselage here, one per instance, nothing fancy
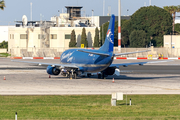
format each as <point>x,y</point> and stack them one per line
<point>87,62</point>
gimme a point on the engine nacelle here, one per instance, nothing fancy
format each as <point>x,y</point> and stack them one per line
<point>109,71</point>
<point>53,70</point>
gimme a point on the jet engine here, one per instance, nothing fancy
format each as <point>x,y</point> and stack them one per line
<point>109,71</point>
<point>53,70</point>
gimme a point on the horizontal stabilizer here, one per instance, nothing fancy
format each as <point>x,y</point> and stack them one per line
<point>137,63</point>
<point>94,52</point>
<point>130,53</point>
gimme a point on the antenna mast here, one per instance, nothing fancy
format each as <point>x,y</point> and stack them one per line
<point>31,10</point>
<point>103,7</point>
<point>109,10</point>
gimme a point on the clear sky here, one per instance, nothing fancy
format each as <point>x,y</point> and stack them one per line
<point>15,9</point>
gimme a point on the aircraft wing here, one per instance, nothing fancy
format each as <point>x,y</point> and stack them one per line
<point>118,54</point>
<point>136,63</point>
<point>47,64</point>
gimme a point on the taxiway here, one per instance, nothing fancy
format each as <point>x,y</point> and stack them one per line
<point>28,79</point>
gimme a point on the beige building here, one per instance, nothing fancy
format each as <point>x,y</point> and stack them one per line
<point>25,40</point>
<point>172,41</point>
<point>171,45</point>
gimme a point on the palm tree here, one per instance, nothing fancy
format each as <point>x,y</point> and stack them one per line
<point>2,5</point>
<point>172,10</point>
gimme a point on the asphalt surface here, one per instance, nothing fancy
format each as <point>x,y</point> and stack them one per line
<point>28,79</point>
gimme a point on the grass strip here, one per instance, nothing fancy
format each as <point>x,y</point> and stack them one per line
<point>149,107</point>
<point>4,54</point>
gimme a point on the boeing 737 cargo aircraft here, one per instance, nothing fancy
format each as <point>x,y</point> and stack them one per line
<point>74,62</point>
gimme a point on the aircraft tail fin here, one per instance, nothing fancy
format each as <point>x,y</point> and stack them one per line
<point>109,41</point>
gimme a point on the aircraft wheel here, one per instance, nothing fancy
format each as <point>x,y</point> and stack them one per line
<point>74,76</point>
<point>99,76</point>
<point>70,76</point>
<point>102,76</point>
<point>88,75</point>
<point>67,75</point>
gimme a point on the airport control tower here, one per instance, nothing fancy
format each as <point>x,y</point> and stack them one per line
<point>74,11</point>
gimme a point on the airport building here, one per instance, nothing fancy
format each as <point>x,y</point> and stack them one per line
<point>54,35</point>
<point>51,38</point>
<point>177,21</point>
<point>172,41</point>
<point>26,40</point>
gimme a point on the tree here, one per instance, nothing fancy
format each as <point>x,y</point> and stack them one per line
<point>4,44</point>
<point>72,42</point>
<point>172,10</point>
<point>154,21</point>
<point>2,5</point>
<point>177,28</point>
<point>105,27</point>
<point>124,33</point>
<point>138,38</point>
<point>96,38</point>
<point>103,31</point>
<point>84,38</point>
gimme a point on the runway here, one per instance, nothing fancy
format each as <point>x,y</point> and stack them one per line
<point>27,79</point>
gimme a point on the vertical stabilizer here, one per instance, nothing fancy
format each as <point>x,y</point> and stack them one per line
<point>109,41</point>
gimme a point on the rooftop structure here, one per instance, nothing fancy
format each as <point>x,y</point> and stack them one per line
<point>74,11</point>
<point>33,23</point>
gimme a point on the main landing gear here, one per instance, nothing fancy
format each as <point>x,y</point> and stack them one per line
<point>101,75</point>
<point>88,74</point>
<point>72,74</point>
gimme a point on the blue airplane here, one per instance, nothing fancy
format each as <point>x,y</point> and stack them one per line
<point>74,62</point>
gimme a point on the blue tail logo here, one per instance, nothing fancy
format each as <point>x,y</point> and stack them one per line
<point>109,33</point>
<point>109,41</point>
